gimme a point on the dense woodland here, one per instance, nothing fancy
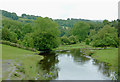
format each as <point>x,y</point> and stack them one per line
<point>47,33</point>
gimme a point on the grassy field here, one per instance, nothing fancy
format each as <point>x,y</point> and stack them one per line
<point>21,63</point>
<point>109,56</point>
<point>73,46</point>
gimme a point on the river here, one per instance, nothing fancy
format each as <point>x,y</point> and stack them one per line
<point>73,65</point>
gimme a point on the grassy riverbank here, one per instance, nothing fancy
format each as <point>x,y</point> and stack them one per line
<point>73,46</point>
<point>109,56</point>
<point>19,63</point>
<point>105,55</point>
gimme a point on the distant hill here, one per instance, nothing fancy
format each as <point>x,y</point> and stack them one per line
<point>30,18</point>
<point>9,14</point>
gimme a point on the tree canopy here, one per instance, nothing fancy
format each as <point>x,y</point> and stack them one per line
<point>80,30</point>
<point>46,34</point>
<point>107,36</point>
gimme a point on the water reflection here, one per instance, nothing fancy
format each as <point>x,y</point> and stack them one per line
<point>105,69</point>
<point>49,66</point>
<point>77,57</point>
<point>72,65</point>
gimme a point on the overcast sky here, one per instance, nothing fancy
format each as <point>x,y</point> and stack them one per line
<point>63,9</point>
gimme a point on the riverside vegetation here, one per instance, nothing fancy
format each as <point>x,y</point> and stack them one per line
<point>98,39</point>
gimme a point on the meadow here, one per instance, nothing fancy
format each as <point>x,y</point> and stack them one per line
<point>21,63</point>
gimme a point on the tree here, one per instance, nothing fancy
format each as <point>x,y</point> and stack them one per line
<point>73,39</point>
<point>13,26</point>
<point>65,40</point>
<point>107,36</point>
<point>27,28</point>
<point>87,41</point>
<point>91,35</point>
<point>0,34</point>
<point>5,34</point>
<point>13,37</point>
<point>10,15</point>
<point>46,34</point>
<point>105,22</point>
<point>8,35</point>
<point>80,30</point>
<point>28,40</point>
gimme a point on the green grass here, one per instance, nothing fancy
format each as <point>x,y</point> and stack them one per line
<point>26,58</point>
<point>73,46</point>
<point>108,55</point>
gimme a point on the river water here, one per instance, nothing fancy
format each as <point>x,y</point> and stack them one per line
<point>73,65</point>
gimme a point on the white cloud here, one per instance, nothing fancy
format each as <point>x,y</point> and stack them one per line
<point>86,9</point>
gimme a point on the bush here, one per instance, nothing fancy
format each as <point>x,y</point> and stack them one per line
<point>106,36</point>
<point>46,34</point>
<point>87,41</point>
<point>45,41</point>
<point>73,39</point>
<point>5,34</point>
<point>16,45</point>
<point>13,37</point>
<point>80,30</point>
<point>65,40</point>
<point>28,41</point>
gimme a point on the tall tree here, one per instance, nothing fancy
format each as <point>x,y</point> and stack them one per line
<point>107,36</point>
<point>80,30</point>
<point>46,34</point>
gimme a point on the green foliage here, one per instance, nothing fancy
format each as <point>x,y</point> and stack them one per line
<point>29,16</point>
<point>45,41</point>
<point>10,15</point>
<point>13,37</point>
<point>95,25</point>
<point>16,45</point>
<point>81,30</point>
<point>105,22</point>
<point>46,34</point>
<point>65,40</point>
<point>87,41</point>
<point>28,41</point>
<point>5,34</point>
<point>0,34</point>
<point>13,26</point>
<point>114,23</point>
<point>73,39</point>
<point>69,22</point>
<point>27,28</point>
<point>69,40</point>
<point>25,21</point>
<point>32,31</point>
<point>64,31</point>
<point>107,36</point>
<point>92,34</point>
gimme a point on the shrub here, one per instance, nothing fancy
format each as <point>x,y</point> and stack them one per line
<point>106,36</point>
<point>16,45</point>
<point>65,40</point>
<point>87,41</point>
<point>73,39</point>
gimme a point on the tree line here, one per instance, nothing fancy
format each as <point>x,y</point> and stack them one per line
<point>46,33</point>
